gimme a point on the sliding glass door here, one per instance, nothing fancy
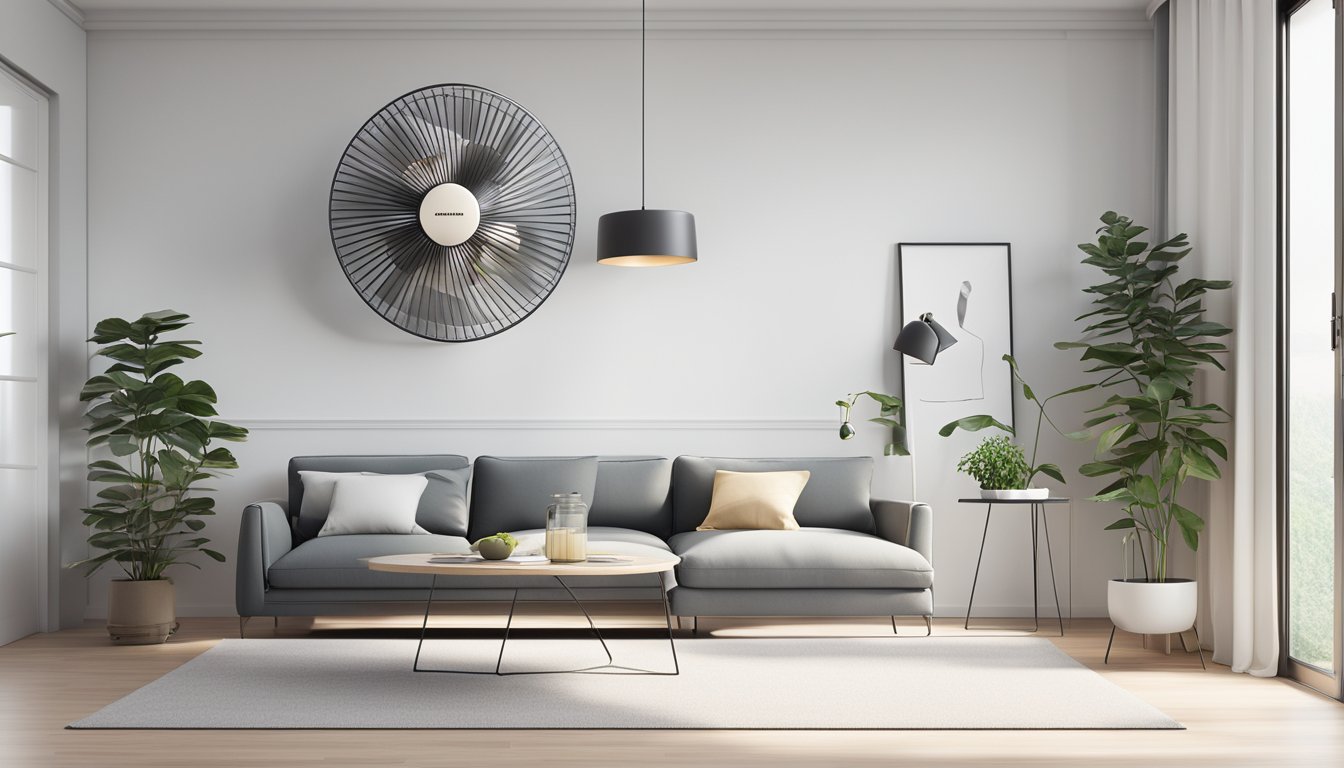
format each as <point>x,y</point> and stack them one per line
<point>1311,369</point>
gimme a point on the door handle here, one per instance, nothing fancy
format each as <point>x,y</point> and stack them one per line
<point>1334,321</point>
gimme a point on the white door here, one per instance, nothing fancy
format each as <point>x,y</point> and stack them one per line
<point>23,358</point>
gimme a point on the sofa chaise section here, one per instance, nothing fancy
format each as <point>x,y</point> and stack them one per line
<point>853,556</point>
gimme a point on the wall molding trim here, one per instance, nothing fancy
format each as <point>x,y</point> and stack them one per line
<point>755,21</point>
<point>534,425</point>
<point>71,10</point>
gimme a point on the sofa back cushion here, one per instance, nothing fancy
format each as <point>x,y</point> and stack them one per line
<point>836,494</point>
<point>443,506</point>
<point>633,492</point>
<point>511,494</point>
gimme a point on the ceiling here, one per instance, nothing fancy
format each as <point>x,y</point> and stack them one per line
<point>719,6</point>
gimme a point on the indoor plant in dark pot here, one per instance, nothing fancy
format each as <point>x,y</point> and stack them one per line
<point>1148,337</point>
<point>158,429</point>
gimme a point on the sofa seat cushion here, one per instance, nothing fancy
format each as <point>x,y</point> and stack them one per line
<point>337,562</point>
<point>810,558</point>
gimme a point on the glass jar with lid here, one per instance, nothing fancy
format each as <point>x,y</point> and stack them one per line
<point>567,528</point>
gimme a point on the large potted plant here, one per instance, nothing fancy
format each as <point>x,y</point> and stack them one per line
<point>159,431</point>
<point>1148,337</point>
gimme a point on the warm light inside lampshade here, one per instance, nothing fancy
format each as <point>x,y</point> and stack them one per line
<point>646,238</point>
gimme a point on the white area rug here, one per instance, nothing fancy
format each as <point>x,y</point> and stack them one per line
<point>776,683</point>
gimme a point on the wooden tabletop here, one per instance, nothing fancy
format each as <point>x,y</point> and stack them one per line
<point>420,563</point>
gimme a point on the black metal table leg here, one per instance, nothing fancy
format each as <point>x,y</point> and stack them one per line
<point>415,665</point>
<point>591,625</point>
<point>1035,568</point>
<point>667,613</point>
<point>508,626</point>
<point>989,508</point>
<point>1050,558</point>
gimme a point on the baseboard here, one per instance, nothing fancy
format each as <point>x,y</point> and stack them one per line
<point>941,611</point>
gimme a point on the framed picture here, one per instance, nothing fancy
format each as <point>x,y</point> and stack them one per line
<point>968,289</point>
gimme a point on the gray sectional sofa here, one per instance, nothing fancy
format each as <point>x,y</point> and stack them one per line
<point>854,556</point>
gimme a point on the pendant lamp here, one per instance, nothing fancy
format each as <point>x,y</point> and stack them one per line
<point>644,237</point>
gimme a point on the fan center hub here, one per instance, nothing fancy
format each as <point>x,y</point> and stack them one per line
<point>450,214</point>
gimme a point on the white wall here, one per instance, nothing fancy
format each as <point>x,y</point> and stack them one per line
<point>805,157</point>
<point>48,47</point>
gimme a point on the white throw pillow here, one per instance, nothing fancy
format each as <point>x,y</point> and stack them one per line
<point>317,489</point>
<point>374,504</point>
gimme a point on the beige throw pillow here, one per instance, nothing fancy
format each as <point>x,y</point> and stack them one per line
<point>754,501</point>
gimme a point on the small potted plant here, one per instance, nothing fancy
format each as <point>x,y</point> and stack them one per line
<point>158,429</point>
<point>983,421</point>
<point>998,465</point>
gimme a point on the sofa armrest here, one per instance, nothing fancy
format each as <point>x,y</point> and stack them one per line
<point>263,538</point>
<point>908,523</point>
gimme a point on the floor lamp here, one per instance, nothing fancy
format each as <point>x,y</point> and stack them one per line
<point>921,339</point>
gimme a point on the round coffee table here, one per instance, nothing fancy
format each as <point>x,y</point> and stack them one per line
<point>425,564</point>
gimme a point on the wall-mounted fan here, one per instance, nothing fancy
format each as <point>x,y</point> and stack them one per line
<point>452,213</point>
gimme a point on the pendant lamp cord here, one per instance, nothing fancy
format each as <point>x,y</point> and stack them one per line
<point>643,24</point>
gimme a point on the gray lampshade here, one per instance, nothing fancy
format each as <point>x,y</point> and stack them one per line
<point>923,339</point>
<point>646,238</point>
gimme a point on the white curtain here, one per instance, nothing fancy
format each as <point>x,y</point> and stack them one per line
<point>1221,188</point>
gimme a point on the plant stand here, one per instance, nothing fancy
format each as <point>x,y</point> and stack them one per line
<point>1039,522</point>
<point>1198,646</point>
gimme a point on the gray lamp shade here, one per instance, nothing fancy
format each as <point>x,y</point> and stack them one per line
<point>923,339</point>
<point>646,238</point>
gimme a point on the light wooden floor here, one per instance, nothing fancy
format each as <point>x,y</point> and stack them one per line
<point>49,680</point>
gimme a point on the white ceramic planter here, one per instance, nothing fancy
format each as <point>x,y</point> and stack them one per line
<point>1152,607</point>
<point>1018,494</point>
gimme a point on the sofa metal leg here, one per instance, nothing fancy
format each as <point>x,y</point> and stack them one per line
<point>894,630</point>
<point>242,625</point>
<point>928,626</point>
<point>695,625</point>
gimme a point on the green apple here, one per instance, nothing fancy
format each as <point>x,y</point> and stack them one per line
<point>496,547</point>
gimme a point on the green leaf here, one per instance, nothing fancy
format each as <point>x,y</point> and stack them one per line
<point>1118,354</point>
<point>1121,524</point>
<point>1099,469</point>
<point>1122,495</point>
<point>1199,465</point>
<point>1145,491</point>
<point>1117,434</point>
<point>1051,470</point>
<point>1161,390</point>
<point>974,424</point>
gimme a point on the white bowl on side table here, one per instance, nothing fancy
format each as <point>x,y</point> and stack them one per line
<point>1015,494</point>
